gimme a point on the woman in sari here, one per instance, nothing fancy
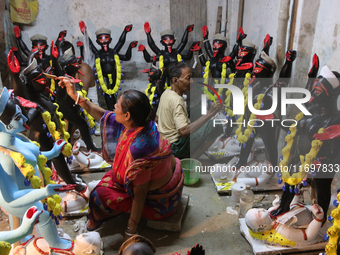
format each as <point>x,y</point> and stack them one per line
<point>145,180</point>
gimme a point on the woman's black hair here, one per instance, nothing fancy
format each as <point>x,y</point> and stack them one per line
<point>138,105</point>
<point>175,69</point>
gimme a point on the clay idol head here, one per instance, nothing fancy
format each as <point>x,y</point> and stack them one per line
<point>219,45</point>
<point>322,90</point>
<point>246,53</point>
<point>258,220</point>
<point>264,67</point>
<point>104,38</point>
<point>168,39</point>
<point>39,43</point>
<point>12,120</point>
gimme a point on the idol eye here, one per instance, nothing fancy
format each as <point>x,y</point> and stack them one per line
<point>17,118</point>
<point>41,81</point>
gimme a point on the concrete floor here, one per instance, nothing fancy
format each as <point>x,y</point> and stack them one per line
<point>206,222</point>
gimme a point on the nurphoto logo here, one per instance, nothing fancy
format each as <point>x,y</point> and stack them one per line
<point>238,104</point>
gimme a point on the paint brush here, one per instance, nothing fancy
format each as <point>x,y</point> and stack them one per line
<point>52,76</point>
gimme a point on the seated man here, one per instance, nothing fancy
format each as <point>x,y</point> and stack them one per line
<point>173,122</point>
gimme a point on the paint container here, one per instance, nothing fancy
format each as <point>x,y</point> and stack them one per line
<point>236,190</point>
<point>246,201</point>
<point>191,168</point>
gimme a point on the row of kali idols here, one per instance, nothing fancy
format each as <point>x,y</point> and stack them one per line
<point>108,68</point>
<point>33,109</point>
<point>311,153</point>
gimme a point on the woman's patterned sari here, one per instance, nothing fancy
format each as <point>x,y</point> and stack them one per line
<point>138,151</point>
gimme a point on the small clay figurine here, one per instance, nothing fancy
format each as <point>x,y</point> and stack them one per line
<point>293,229</point>
<point>68,64</point>
<point>156,86</point>
<point>85,157</point>
<point>261,84</point>
<point>245,58</point>
<point>108,62</point>
<point>44,120</point>
<point>39,43</point>
<point>169,54</point>
<point>218,63</point>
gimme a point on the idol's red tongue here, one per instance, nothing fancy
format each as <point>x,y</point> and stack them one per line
<point>26,126</point>
<point>169,49</point>
<point>47,89</point>
<point>238,62</point>
<point>311,99</point>
<point>215,53</point>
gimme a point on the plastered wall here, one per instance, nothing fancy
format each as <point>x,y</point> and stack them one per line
<point>259,19</point>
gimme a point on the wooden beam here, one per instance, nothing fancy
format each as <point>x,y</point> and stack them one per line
<point>293,25</point>
<point>240,14</point>
<point>218,20</point>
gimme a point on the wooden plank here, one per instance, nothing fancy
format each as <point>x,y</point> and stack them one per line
<point>218,20</point>
<point>174,222</point>
<point>240,14</point>
<point>225,188</point>
<point>293,25</point>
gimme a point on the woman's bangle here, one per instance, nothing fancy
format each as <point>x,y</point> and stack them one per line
<point>319,220</point>
<point>128,232</point>
<point>77,100</point>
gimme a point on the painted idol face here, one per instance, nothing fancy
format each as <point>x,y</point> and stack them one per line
<point>16,124</point>
<point>321,90</point>
<point>245,55</point>
<point>168,41</point>
<point>104,40</point>
<point>41,47</point>
<point>218,46</point>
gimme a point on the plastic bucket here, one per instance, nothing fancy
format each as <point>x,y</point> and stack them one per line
<point>191,174</point>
